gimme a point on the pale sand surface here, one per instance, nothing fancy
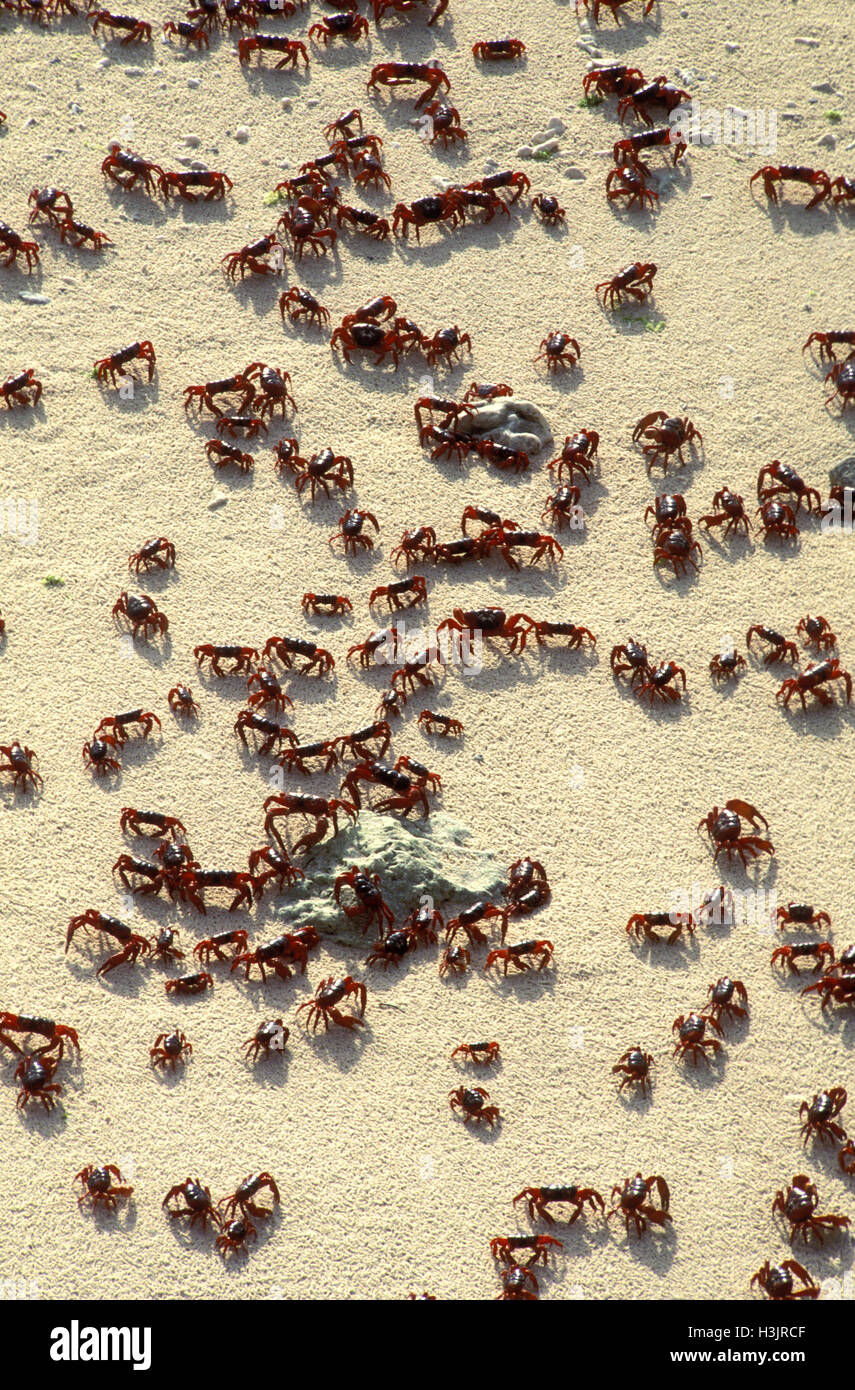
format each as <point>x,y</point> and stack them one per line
<point>383,1191</point>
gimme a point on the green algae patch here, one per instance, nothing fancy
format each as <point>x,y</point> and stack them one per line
<point>435,858</point>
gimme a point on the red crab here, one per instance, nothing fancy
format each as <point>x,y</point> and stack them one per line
<point>243,657</point>
<point>505,1248</point>
<point>786,479</point>
<point>141,614</point>
<point>198,1206</point>
<point>778,1281</point>
<point>662,683</point>
<point>322,810</point>
<point>322,1007</point>
<point>36,1077</point>
<point>110,366</point>
<point>724,828</point>
<point>369,904</point>
<point>169,1049</point>
<point>537,1199</point>
<point>132,945</point>
<point>728,511</point>
<point>23,388</point>
<point>667,434</point>
<point>843,377</point>
<point>325,470</point>
<point>269,1036</point>
<point>635,280</point>
<point>724,995</point>
<point>348,24</point>
<point>782,650</point>
<point>492,622</point>
<point>778,519</point>
<point>820,952</point>
<point>811,680</point>
<point>159,553</point>
<point>519,954</point>
<point>444,344</point>
<point>470,1102</point>
<point>798,1207</point>
<point>22,764</point>
<point>214,181</point>
<point>403,74</point>
<point>276,866</point>
<point>817,632</point>
<point>643,925</point>
<point>440,723</point>
<point>482,1053</point>
<point>560,352</point>
<point>820,1116</point>
<point>634,1204</point>
<point>249,257</point>
<point>291,948</point>
<point>301,304</point>
<point>404,7</point>
<point>408,795</point>
<point>675,547</point>
<point>293,49</point>
<point>98,1186</point>
<point>436,207</point>
<point>415,587</point>
<point>634,1069</point>
<point>350,531</point>
<point>614,6</point>
<point>690,1029</point>
<point>367,336</point>
<point>629,183</point>
<point>127,169</point>
<point>817,180</point>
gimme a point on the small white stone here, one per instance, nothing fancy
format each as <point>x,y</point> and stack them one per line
<point>242,134</point>
<point>732,47</point>
<point>30,298</point>
<point>312,101</point>
<point>556,125</point>
<point>218,500</point>
<point>133,72</point>
<point>573,172</point>
<point>104,63</point>
<point>828,141</point>
<point>193,141</point>
<point>194,82</point>
<point>524,152</point>
<point>806,42</point>
<point>287,104</point>
<point>549,146</point>
<point>822,87</point>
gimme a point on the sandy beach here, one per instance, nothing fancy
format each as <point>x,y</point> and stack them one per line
<point>383,1191</point>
